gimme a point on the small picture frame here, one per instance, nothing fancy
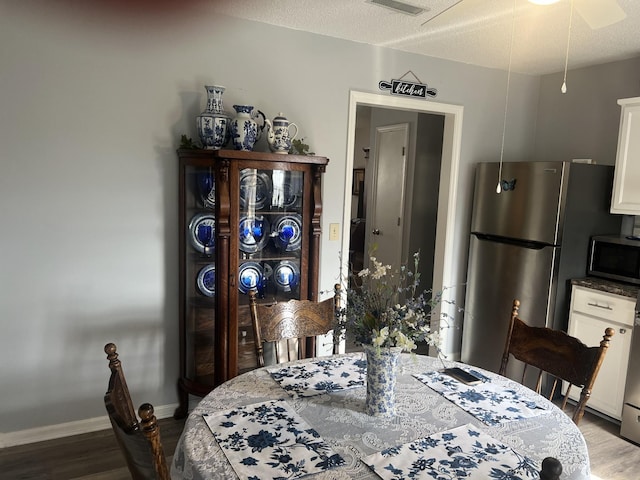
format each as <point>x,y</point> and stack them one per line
<point>358,179</point>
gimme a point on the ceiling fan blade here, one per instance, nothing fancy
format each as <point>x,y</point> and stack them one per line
<point>599,13</point>
<point>458,11</point>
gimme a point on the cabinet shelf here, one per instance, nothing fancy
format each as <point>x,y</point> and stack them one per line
<point>216,336</point>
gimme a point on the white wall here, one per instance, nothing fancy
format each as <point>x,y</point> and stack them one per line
<point>91,111</point>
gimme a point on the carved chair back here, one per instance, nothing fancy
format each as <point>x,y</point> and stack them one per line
<point>139,441</point>
<point>558,354</point>
<point>292,326</point>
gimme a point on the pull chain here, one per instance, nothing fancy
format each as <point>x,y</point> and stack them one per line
<point>506,100</point>
<point>563,89</point>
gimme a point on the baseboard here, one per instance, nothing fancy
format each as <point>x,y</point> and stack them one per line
<point>51,432</point>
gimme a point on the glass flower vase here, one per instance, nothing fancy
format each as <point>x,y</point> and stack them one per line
<point>382,370</point>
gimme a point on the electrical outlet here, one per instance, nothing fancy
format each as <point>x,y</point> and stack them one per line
<point>334,231</point>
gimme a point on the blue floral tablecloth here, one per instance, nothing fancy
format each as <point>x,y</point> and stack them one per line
<point>338,418</point>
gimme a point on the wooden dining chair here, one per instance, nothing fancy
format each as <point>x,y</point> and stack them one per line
<point>556,353</point>
<point>292,326</point>
<point>139,441</point>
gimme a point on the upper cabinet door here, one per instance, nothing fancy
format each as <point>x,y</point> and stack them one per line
<point>626,185</point>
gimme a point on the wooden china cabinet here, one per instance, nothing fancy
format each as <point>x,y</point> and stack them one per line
<point>248,221</point>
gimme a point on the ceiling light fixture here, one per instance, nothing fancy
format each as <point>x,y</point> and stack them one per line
<point>506,100</point>
<point>401,7</point>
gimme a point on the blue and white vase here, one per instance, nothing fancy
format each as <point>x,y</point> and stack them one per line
<point>245,131</point>
<point>213,123</point>
<point>382,370</point>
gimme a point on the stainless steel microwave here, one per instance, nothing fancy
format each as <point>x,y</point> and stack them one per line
<point>615,258</point>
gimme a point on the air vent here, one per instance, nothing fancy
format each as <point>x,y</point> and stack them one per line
<point>398,6</point>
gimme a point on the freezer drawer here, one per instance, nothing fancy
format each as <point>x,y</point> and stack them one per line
<point>630,428</point>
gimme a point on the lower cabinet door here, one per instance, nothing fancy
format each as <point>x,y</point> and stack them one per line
<point>607,394</point>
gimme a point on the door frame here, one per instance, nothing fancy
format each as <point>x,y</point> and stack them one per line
<point>443,264</point>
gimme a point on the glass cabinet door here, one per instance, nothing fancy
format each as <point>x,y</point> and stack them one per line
<point>247,221</point>
<point>270,244</point>
<point>199,282</point>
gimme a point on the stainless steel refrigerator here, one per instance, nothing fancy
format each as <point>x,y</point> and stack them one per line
<point>527,242</point>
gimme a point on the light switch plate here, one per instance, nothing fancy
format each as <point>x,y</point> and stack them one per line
<point>334,231</point>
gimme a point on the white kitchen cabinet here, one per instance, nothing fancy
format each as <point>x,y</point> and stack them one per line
<point>592,311</point>
<point>625,198</point>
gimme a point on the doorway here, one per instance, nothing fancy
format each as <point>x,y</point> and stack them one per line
<point>387,208</point>
<point>443,261</point>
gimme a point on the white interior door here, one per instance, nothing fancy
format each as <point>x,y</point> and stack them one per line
<point>386,214</point>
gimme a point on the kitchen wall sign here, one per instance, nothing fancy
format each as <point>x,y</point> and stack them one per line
<point>406,88</point>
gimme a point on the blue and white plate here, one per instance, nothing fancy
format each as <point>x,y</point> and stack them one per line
<point>287,232</point>
<point>253,233</point>
<point>291,196</point>
<point>255,188</point>
<point>249,277</point>
<point>206,280</point>
<point>202,232</point>
<point>286,275</point>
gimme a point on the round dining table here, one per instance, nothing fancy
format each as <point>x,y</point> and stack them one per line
<point>340,420</point>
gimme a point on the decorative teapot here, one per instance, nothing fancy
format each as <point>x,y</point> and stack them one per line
<point>245,131</point>
<point>278,134</point>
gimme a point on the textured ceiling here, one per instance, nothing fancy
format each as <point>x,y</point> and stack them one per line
<point>477,32</point>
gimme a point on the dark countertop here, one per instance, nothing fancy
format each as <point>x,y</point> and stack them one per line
<point>609,286</point>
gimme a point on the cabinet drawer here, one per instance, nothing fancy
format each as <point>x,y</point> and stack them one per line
<point>607,306</point>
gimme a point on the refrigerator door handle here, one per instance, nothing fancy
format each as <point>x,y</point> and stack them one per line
<point>510,241</point>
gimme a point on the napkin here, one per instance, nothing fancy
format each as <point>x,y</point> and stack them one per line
<point>269,440</point>
<point>324,375</point>
<point>489,402</point>
<point>462,452</point>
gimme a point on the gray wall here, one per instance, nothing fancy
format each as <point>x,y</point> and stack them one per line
<point>92,108</point>
<point>426,175</point>
<point>583,123</point>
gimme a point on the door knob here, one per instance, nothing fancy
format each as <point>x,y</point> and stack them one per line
<point>376,232</point>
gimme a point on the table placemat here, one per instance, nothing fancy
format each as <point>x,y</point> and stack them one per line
<point>322,375</point>
<point>489,402</point>
<point>269,440</point>
<point>462,452</point>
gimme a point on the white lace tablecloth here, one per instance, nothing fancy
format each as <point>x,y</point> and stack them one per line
<point>339,419</point>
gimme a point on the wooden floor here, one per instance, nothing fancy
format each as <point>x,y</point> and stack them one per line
<point>612,457</point>
<point>91,456</point>
<point>95,456</point>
